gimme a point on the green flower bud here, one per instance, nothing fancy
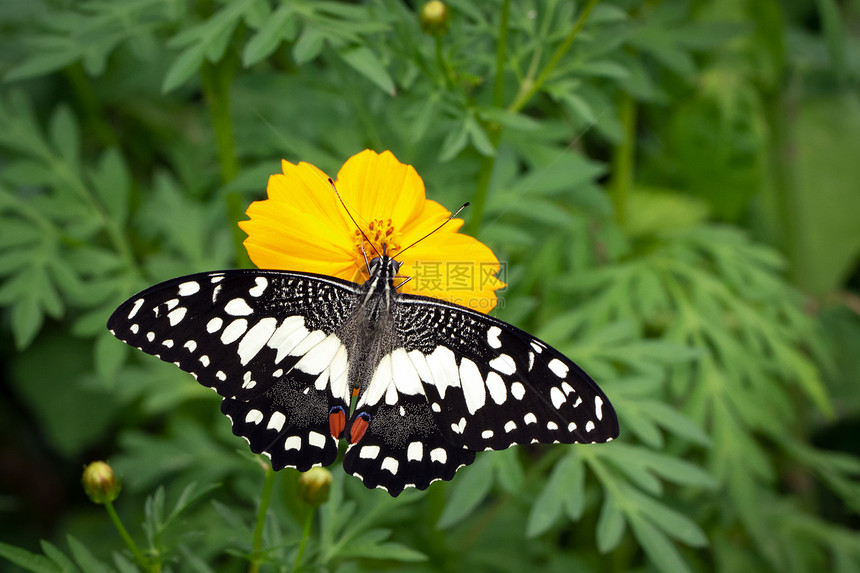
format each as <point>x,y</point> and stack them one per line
<point>100,483</point>
<point>314,485</point>
<point>434,18</point>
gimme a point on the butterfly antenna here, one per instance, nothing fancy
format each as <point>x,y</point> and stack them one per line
<point>445,222</point>
<point>351,218</point>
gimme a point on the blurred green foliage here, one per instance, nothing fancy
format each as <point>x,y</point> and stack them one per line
<point>672,185</point>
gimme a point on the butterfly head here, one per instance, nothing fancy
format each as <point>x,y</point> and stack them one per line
<point>384,267</point>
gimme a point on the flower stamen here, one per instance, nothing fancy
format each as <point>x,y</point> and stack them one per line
<point>382,233</point>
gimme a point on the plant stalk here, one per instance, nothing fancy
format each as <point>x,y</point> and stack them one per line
<point>129,542</point>
<point>306,534</point>
<point>495,131</point>
<point>530,87</point>
<point>257,543</point>
<point>623,158</point>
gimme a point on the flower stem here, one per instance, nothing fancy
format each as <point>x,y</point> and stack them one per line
<point>257,544</point>
<point>495,131</point>
<point>623,159</point>
<point>306,534</point>
<point>530,87</point>
<point>216,87</point>
<point>129,542</point>
<point>216,78</point>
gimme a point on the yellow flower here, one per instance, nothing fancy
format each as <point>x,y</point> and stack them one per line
<point>303,227</point>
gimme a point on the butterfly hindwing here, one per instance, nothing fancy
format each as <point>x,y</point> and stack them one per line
<point>402,447</point>
<point>265,341</point>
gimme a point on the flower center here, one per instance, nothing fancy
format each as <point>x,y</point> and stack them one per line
<point>381,232</point>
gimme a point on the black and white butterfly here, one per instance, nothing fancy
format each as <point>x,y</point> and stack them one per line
<point>435,382</point>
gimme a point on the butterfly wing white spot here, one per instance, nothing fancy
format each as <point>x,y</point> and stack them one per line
<point>214,325</point>
<point>443,366</point>
<point>439,455</point>
<point>368,452</point>
<point>473,385</point>
<point>254,416</point>
<point>518,390</point>
<point>255,338</point>
<point>404,374</point>
<point>390,464</point>
<point>188,288</point>
<point>496,386</point>
<point>288,334</point>
<point>316,439</point>
<point>238,307</point>
<point>261,284</point>
<point>276,421</point>
<point>415,451</point>
<point>504,364</point>
<point>493,337</point>
<point>234,330</point>
<point>556,396</point>
<point>135,307</point>
<point>558,368</point>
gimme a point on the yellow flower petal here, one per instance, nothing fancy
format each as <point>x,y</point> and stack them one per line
<point>303,227</point>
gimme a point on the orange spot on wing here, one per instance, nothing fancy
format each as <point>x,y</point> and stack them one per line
<point>359,427</point>
<point>336,423</point>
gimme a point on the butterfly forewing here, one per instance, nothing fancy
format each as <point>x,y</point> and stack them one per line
<point>488,384</point>
<point>265,341</point>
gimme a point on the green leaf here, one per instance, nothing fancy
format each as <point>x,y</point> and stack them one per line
<point>111,183</point>
<point>825,200</point>
<point>454,142</point>
<point>27,560</point>
<point>479,137</point>
<point>189,495</point>
<point>279,26</point>
<point>370,544</point>
<point>610,525</point>
<point>670,521</point>
<point>110,355</point>
<point>565,482</point>
<point>188,63</point>
<point>678,424</point>
<point>194,561</point>
<point>575,503</point>
<point>12,260</point>
<point>76,416</point>
<point>508,119</point>
<point>85,558</point>
<point>40,64</point>
<point>364,61</point>
<point>17,233</point>
<point>469,489</point>
<point>308,46</point>
<point>54,554</point>
<point>27,320</point>
<point>123,565</point>
<point>509,470</point>
<point>657,546</point>
<point>65,135</point>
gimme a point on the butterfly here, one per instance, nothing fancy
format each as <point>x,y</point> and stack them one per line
<point>434,382</point>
